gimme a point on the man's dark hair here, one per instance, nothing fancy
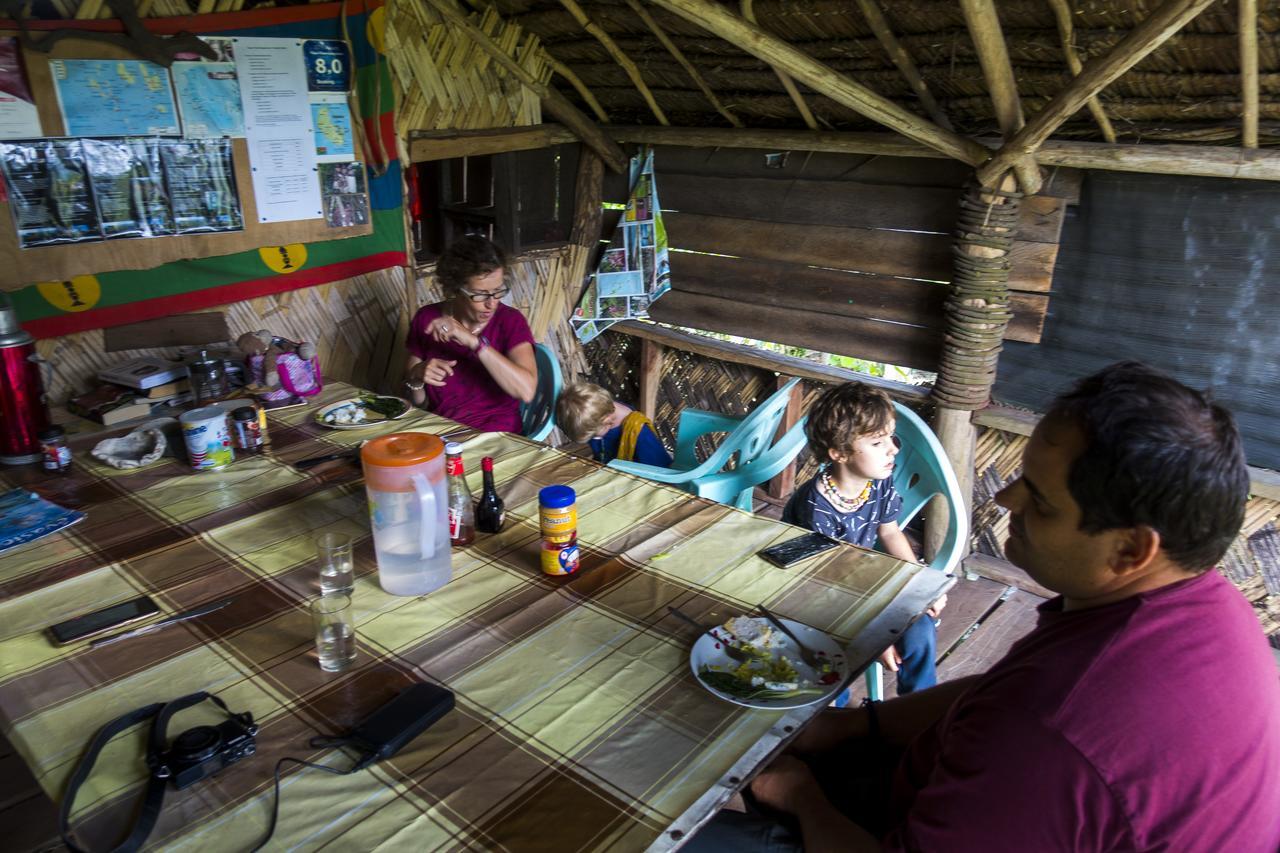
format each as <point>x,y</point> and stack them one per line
<point>1158,454</point>
<point>466,258</point>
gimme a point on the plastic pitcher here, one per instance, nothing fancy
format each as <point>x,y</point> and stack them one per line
<point>408,508</point>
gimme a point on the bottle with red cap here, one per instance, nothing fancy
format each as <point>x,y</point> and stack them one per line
<point>462,517</point>
<point>490,513</point>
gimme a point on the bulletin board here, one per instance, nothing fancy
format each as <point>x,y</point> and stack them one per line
<point>71,287</point>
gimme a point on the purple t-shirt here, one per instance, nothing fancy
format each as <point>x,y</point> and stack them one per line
<point>1148,724</point>
<point>471,396</point>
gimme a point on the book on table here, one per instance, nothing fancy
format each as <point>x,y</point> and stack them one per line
<point>26,517</point>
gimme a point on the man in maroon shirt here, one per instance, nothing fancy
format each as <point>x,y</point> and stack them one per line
<point>1142,713</point>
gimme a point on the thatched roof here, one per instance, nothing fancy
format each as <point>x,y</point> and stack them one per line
<point>1189,89</point>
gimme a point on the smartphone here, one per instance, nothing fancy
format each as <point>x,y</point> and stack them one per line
<point>102,621</point>
<point>792,551</point>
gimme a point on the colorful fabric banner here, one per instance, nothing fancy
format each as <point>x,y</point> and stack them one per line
<point>635,269</point>
<point>87,302</point>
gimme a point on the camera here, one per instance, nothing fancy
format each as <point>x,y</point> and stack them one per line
<point>204,750</point>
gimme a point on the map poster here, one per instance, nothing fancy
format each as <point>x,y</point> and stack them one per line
<point>209,94</point>
<point>279,128</point>
<point>110,165</point>
<point>328,65</point>
<point>634,269</point>
<point>331,118</point>
<point>18,117</point>
<point>202,185</point>
<point>114,97</point>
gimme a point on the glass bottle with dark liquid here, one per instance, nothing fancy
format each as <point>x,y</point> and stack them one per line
<point>462,519</point>
<point>490,513</point>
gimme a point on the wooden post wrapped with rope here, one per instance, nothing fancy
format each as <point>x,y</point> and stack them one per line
<point>977,313</point>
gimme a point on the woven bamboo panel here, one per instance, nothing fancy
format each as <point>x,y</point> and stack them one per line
<point>1252,562</point>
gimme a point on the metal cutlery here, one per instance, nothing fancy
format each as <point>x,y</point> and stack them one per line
<point>195,612</point>
<point>807,654</point>
<point>729,649</point>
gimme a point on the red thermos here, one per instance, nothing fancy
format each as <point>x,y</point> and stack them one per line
<point>23,412</point>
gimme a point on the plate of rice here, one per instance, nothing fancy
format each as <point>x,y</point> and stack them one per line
<point>773,676</point>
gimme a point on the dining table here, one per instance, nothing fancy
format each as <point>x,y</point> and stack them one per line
<point>578,724</point>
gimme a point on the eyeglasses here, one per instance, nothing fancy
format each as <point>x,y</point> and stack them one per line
<point>487,295</point>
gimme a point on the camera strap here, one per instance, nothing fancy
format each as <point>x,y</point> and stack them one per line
<point>158,777</point>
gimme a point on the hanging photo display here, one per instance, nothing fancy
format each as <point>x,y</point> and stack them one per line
<point>65,190</point>
<point>209,93</point>
<point>345,201</point>
<point>634,269</point>
<point>114,97</point>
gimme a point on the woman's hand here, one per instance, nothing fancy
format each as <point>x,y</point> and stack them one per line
<point>449,330</point>
<point>434,371</point>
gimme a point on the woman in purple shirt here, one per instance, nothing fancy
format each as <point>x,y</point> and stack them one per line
<point>471,357</point>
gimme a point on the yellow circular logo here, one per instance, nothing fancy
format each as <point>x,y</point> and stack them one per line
<point>77,294</point>
<point>373,28</point>
<point>284,259</point>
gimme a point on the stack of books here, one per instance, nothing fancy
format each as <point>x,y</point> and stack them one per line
<point>132,390</point>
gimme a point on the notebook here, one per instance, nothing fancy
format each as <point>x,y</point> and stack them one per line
<point>26,517</point>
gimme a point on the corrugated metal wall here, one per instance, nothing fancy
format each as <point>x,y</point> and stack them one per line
<point>1182,273</point>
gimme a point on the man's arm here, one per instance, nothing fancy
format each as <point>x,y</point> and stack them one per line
<point>901,719</point>
<point>788,786</point>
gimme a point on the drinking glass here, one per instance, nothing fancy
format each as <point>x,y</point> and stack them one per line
<point>337,570</point>
<point>335,632</point>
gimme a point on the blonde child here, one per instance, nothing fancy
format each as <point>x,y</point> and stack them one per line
<point>587,412</point>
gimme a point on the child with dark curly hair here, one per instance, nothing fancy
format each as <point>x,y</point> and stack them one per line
<point>850,429</point>
<point>471,357</point>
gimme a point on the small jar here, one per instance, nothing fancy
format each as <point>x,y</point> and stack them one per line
<point>53,446</point>
<point>248,431</point>
<point>558,520</point>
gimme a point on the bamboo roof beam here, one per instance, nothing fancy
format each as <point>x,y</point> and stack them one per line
<point>824,80</point>
<point>620,57</point>
<point>993,55</point>
<point>1211,161</point>
<point>1248,17</point>
<point>1097,75</point>
<point>554,103</point>
<point>802,106</point>
<point>1066,32</point>
<point>576,82</point>
<point>906,65</point>
<point>676,52</point>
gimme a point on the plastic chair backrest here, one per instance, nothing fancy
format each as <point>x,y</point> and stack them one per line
<point>921,471</point>
<point>736,486</point>
<point>538,416</point>
<point>749,437</point>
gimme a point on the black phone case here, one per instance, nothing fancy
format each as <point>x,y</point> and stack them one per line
<point>386,731</point>
<point>792,551</point>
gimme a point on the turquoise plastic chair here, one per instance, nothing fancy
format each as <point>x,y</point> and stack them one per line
<point>538,417</point>
<point>749,439</point>
<point>922,470</point>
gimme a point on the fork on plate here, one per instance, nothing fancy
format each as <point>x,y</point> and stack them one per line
<point>807,654</point>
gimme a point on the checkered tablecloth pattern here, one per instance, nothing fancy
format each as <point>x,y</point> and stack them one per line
<point>578,726</point>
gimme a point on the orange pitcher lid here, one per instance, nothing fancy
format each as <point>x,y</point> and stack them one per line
<point>401,449</point>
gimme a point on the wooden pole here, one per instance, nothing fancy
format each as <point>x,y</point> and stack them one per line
<point>782,485</point>
<point>576,82</point>
<point>824,80</point>
<point>1248,13</point>
<point>1066,32</point>
<point>898,54</point>
<point>1097,75</point>
<point>676,52</point>
<point>611,47</point>
<point>748,12</point>
<point>652,356</point>
<point>1212,161</point>
<point>988,39</point>
<point>552,101</point>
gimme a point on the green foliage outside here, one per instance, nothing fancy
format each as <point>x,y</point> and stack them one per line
<point>908,375</point>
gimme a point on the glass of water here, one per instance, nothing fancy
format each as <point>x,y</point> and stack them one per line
<point>337,570</point>
<point>335,631</point>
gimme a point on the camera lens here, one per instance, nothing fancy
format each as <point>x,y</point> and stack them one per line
<point>197,744</point>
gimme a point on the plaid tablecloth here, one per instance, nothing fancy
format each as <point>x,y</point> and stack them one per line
<point>578,726</point>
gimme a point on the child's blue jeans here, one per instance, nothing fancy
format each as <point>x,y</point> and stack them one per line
<point>918,648</point>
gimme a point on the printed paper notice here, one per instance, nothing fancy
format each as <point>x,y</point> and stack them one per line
<point>279,128</point>
<point>18,118</point>
<point>114,97</point>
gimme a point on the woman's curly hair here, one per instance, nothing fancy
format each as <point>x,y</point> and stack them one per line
<point>466,258</point>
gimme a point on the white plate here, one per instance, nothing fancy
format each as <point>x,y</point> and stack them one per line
<point>708,651</point>
<point>371,418</point>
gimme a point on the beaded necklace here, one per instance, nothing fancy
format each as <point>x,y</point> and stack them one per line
<point>842,504</point>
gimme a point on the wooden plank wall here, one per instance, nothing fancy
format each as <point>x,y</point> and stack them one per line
<point>838,253</point>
